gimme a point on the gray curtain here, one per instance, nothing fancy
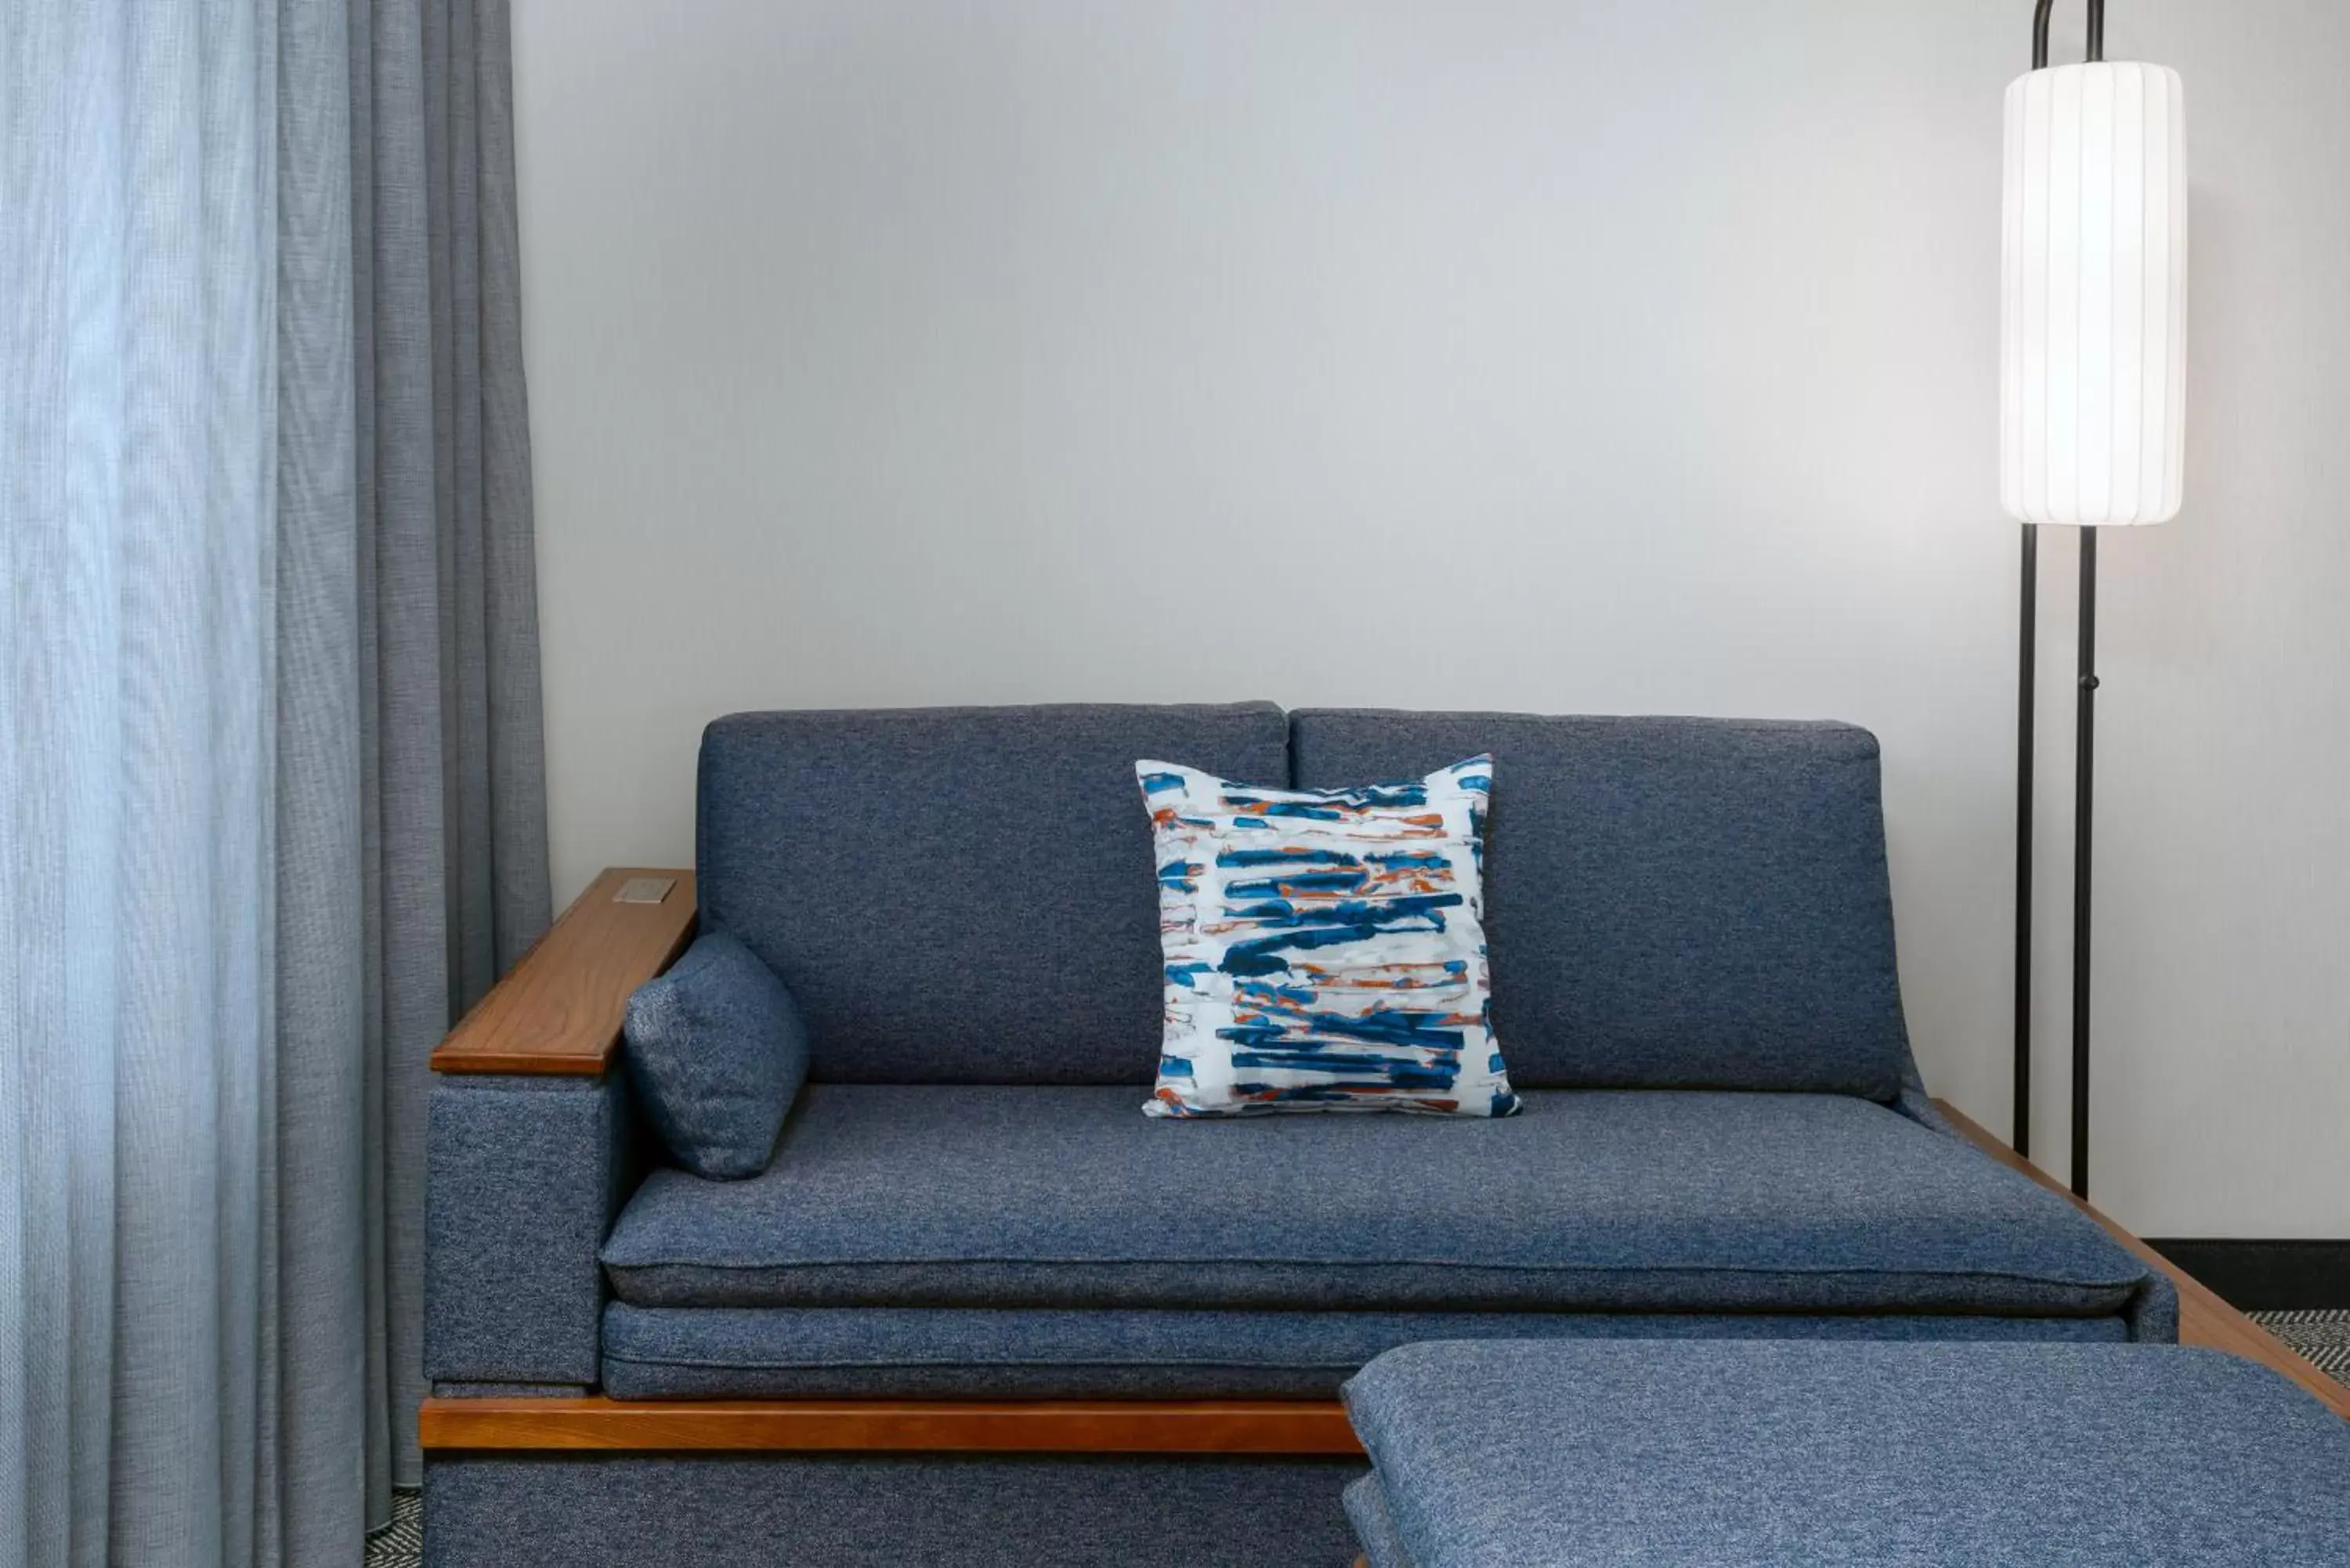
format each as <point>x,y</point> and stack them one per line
<point>271,811</point>
<point>454,821</point>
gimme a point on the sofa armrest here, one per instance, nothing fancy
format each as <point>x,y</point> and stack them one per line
<point>531,1141</point>
<point>559,1010</point>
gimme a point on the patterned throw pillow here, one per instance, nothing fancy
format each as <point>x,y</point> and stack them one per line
<point>1326,949</point>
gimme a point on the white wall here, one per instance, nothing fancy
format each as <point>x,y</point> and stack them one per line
<point>890,351</point>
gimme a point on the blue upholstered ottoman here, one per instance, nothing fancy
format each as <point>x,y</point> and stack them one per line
<point>1739,1453</point>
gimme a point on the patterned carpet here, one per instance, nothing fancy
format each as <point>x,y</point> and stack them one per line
<point>400,1544</point>
<point>2323,1336</point>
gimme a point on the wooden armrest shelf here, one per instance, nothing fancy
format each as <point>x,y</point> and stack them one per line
<point>560,1010</point>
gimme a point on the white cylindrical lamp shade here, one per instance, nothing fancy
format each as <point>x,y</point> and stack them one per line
<point>2093,298</point>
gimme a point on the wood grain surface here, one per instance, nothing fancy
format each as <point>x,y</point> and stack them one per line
<point>1076,1425</point>
<point>559,1010</point>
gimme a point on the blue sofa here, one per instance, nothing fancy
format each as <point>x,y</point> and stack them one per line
<point>1695,988</point>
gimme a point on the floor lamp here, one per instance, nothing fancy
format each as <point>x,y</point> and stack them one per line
<point>2092,357</point>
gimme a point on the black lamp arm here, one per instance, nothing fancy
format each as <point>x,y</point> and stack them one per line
<point>2040,32</point>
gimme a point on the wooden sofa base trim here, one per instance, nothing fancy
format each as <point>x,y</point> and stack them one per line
<point>1293,1427</point>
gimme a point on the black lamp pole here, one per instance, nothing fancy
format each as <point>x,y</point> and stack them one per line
<point>2084,742</point>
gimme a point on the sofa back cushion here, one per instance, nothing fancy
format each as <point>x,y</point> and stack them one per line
<point>1670,903</point>
<point>959,895</point>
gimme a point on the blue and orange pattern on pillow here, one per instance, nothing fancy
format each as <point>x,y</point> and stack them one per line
<point>1325,948</point>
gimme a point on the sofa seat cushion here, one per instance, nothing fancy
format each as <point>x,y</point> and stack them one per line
<point>1045,1353</point>
<point>933,1195</point>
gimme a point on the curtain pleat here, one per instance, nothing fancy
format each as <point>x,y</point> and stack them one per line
<point>401,536</point>
<point>455,843</point>
<point>320,1302</point>
<point>517,890</point>
<point>65,289</point>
